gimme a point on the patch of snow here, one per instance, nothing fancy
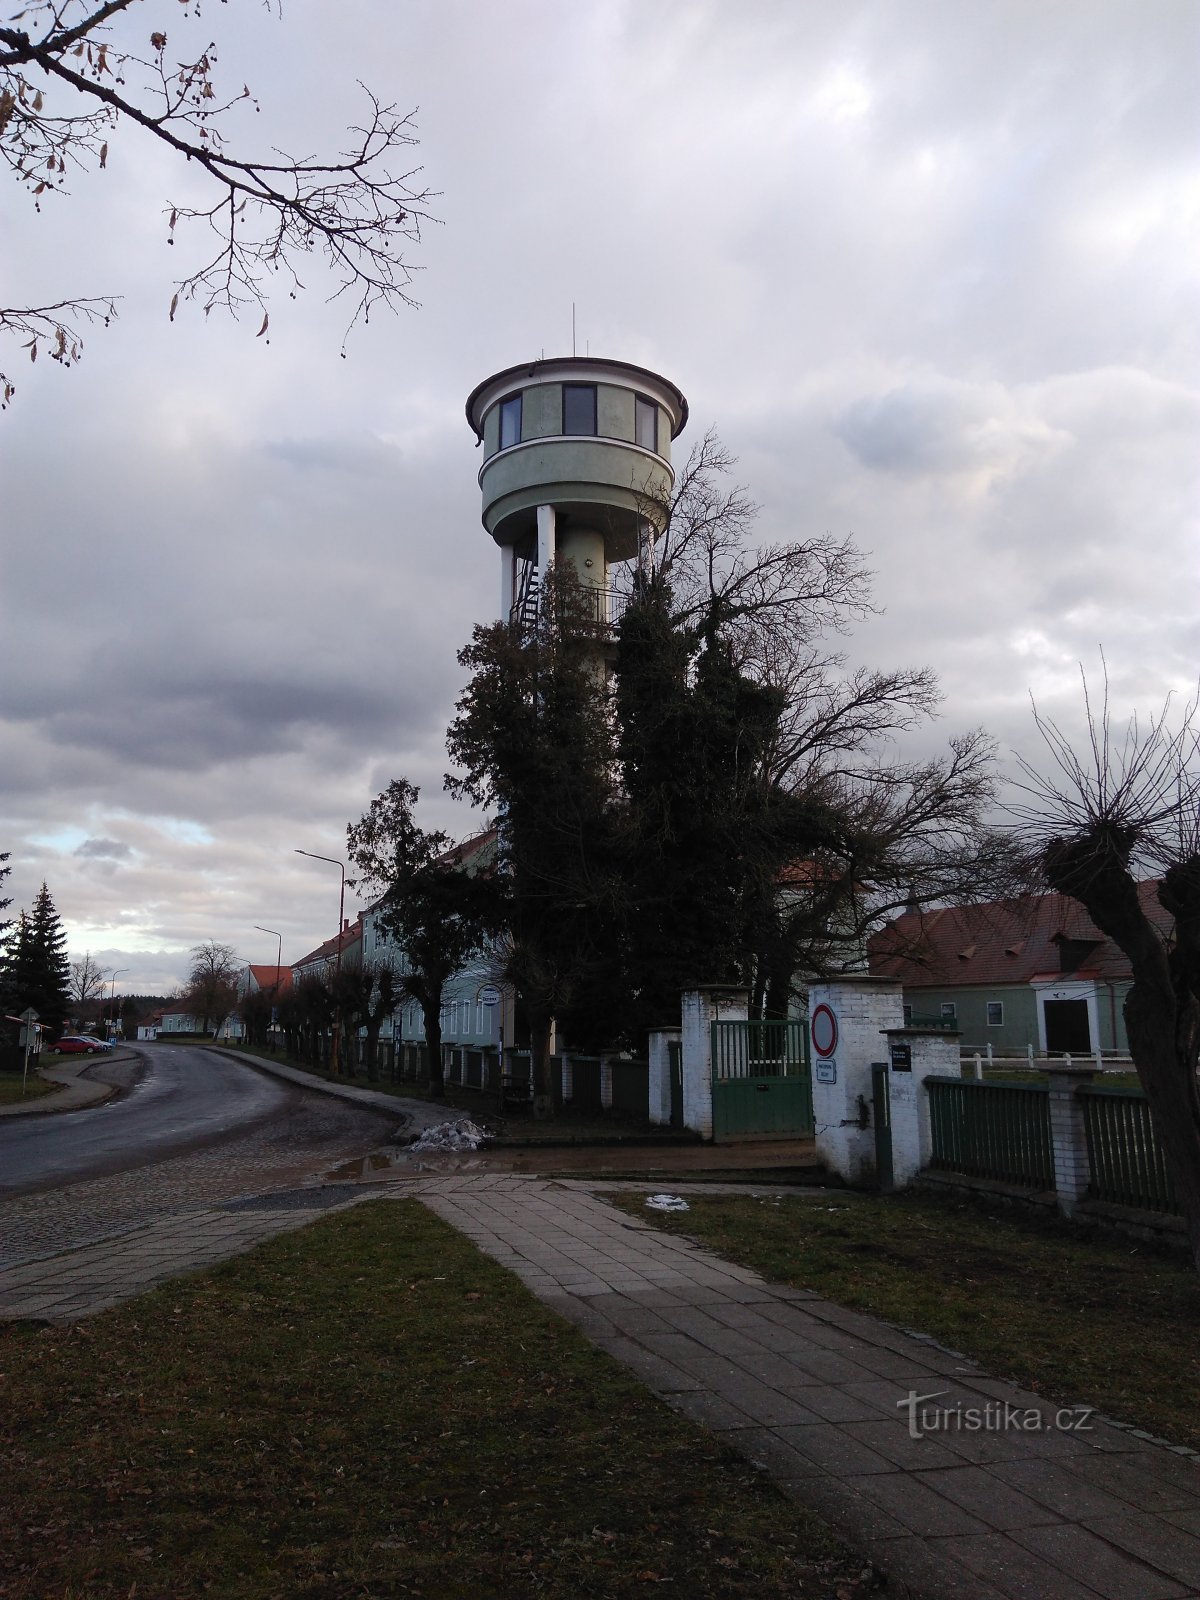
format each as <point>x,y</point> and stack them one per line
<point>462,1134</point>
<point>666,1202</point>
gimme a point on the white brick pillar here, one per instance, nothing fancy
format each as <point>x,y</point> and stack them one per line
<point>862,1009</point>
<point>1072,1170</point>
<point>914,1054</point>
<point>568,1078</point>
<point>701,1008</point>
<point>661,1040</point>
<point>606,1082</point>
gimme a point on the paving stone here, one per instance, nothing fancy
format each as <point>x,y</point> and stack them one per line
<point>916,1506</point>
<point>709,1410</point>
<point>1018,1573</point>
<point>1110,1572</point>
<point>1148,1482</point>
<point>916,1570</point>
<point>890,1438</point>
<point>989,1498</point>
<point>834,1450</point>
<point>1154,1540</point>
<point>1067,1492</point>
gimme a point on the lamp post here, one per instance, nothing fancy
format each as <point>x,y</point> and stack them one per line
<point>278,970</point>
<point>335,1061</point>
<point>112,1006</point>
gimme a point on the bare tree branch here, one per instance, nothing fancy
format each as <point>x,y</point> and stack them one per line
<point>359,209</point>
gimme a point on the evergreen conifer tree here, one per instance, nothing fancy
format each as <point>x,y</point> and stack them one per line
<point>38,969</point>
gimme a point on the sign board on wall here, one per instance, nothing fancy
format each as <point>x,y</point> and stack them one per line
<point>823,1030</point>
<point>826,1071</point>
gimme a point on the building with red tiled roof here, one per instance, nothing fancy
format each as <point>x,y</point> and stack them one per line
<point>264,979</point>
<point>326,956</point>
<point>1030,971</point>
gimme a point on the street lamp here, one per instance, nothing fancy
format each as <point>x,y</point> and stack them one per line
<point>334,1063</point>
<point>279,951</point>
<point>119,973</point>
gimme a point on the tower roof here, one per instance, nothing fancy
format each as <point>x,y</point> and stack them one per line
<point>584,368</point>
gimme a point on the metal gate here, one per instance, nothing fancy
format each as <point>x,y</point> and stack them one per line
<point>761,1083</point>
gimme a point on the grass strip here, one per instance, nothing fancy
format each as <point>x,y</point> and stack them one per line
<point>10,1087</point>
<point>1075,1317</point>
<point>369,1408</point>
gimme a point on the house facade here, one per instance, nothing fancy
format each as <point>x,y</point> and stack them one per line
<point>1032,971</point>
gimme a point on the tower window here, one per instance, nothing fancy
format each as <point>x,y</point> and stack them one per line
<point>579,408</point>
<point>510,421</point>
<point>645,423</point>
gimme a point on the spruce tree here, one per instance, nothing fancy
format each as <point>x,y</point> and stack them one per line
<point>40,970</point>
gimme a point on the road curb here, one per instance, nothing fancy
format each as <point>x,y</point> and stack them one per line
<point>76,1093</point>
<point>409,1113</point>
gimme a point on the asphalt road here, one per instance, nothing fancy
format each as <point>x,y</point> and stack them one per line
<point>193,1128</point>
<point>185,1099</point>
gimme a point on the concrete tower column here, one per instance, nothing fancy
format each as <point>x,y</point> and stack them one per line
<point>545,541</point>
<point>508,580</point>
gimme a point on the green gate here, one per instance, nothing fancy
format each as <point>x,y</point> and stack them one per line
<point>762,1087</point>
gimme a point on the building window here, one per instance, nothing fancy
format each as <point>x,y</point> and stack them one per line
<point>908,1016</point>
<point>645,423</point>
<point>579,408</point>
<point>949,1011</point>
<point>995,1013</point>
<point>510,421</point>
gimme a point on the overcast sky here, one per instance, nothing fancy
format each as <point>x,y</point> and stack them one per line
<point>929,268</point>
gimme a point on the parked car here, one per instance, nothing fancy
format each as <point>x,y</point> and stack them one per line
<point>81,1044</point>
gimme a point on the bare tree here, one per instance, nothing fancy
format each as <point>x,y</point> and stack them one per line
<point>898,831</point>
<point>71,75</point>
<point>764,597</point>
<point>212,981</point>
<point>87,979</point>
<point>1116,827</point>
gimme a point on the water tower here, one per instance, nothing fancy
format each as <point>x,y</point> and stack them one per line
<point>576,452</point>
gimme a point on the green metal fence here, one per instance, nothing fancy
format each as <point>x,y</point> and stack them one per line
<point>1126,1160</point>
<point>759,1049</point>
<point>992,1130</point>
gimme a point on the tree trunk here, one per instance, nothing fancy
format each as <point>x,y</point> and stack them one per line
<point>1152,1023</point>
<point>539,1067</point>
<point>1161,1009</point>
<point>433,1046</point>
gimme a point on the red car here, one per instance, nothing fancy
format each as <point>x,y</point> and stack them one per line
<point>81,1044</point>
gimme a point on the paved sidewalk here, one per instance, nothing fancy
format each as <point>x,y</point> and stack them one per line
<point>76,1091</point>
<point>810,1392</point>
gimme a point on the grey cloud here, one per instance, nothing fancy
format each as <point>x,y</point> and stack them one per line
<point>103,850</point>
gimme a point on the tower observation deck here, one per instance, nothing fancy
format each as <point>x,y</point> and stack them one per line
<point>577,461</point>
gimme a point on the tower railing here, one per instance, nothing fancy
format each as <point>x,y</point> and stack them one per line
<point>596,610</point>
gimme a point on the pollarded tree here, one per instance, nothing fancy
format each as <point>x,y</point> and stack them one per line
<point>1114,826</point>
<point>75,74</point>
<point>436,910</point>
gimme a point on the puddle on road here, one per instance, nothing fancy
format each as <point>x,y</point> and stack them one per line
<point>405,1163</point>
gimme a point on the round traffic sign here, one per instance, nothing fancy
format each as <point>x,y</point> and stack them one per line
<point>824,1031</point>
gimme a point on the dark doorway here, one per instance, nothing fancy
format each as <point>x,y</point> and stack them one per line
<point>1067,1030</point>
